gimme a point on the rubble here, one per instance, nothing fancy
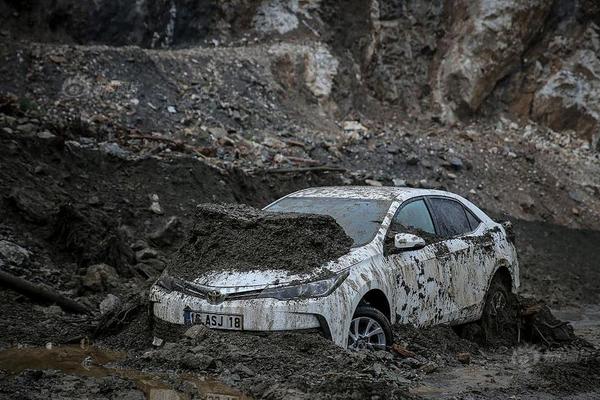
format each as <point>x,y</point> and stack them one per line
<point>242,238</point>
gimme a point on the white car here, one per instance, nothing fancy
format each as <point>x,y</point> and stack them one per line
<point>420,257</point>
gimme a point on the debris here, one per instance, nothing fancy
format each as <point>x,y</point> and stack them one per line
<point>41,292</point>
<point>464,358</point>
<point>100,277</point>
<point>13,253</point>
<point>145,254</point>
<point>167,234</point>
<point>241,238</point>
<point>373,182</point>
<point>402,351</point>
<point>109,304</point>
<point>155,205</point>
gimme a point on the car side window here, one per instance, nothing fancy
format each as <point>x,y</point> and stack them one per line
<point>413,215</point>
<point>473,220</point>
<point>451,217</point>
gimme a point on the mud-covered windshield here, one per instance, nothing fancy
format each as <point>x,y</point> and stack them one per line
<point>360,218</point>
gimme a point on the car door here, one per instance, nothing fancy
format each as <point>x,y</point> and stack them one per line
<point>459,255</point>
<point>421,295</point>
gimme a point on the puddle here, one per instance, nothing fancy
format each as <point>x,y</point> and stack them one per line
<point>458,380</point>
<point>95,362</point>
<point>585,320</point>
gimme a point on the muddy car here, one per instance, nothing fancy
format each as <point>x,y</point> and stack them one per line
<point>420,257</point>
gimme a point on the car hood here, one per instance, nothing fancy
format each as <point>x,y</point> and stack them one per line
<point>234,281</point>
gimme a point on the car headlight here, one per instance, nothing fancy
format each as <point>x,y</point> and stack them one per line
<point>319,288</point>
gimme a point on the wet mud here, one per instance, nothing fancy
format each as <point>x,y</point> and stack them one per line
<point>91,372</point>
<point>242,238</point>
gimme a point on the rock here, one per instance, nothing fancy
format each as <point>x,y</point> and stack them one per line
<point>577,195</point>
<point>155,205</point>
<point>570,97</point>
<point>320,70</point>
<point>402,351</point>
<point>100,277</point>
<point>399,182</point>
<point>167,234</point>
<point>172,110</point>
<point>456,164</point>
<point>109,304</point>
<point>276,16</point>
<point>526,202</point>
<point>488,40</point>
<point>199,362</point>
<point>45,135</point>
<point>27,128</point>
<point>197,332</point>
<point>372,182</point>
<point>429,367</point>
<point>114,150</point>
<point>217,132</point>
<point>139,245</point>
<point>412,159</point>
<point>94,201</point>
<point>145,254</point>
<point>464,358</point>
<point>13,254</point>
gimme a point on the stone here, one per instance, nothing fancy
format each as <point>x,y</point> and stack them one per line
<point>372,182</point>
<point>13,254</point>
<point>100,277</point>
<point>412,159</point>
<point>487,42</point>
<point>464,358</point>
<point>456,163</point>
<point>145,254</point>
<point>45,135</point>
<point>167,234</point>
<point>110,304</point>
<point>197,332</point>
<point>399,182</point>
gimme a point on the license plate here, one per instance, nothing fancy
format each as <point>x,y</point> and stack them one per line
<point>217,321</point>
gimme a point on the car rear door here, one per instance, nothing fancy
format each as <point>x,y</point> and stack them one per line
<point>460,254</point>
<point>421,286</point>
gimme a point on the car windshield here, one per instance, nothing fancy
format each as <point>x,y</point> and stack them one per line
<point>360,218</point>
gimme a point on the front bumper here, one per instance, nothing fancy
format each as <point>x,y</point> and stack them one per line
<point>263,314</point>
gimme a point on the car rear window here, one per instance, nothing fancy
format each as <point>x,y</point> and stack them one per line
<point>360,218</point>
<point>451,217</point>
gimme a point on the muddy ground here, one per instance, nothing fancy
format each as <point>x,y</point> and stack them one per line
<point>111,134</point>
<point>68,211</point>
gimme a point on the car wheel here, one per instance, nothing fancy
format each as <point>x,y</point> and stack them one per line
<point>369,329</point>
<point>499,322</point>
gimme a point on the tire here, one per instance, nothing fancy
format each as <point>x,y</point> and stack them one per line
<point>360,327</point>
<point>500,319</point>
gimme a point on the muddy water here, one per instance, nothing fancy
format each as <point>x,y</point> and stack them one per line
<point>96,362</point>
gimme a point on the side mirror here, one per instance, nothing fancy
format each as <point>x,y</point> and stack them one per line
<point>408,241</point>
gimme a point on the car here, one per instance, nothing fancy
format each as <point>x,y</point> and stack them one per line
<point>420,257</point>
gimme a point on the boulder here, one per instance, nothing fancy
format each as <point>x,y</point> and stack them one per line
<point>486,40</point>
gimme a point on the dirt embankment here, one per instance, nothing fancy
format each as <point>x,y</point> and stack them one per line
<point>242,238</point>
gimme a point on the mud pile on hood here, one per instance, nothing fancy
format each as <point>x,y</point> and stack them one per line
<point>242,238</point>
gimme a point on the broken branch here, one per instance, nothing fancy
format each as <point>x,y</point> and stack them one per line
<point>41,292</point>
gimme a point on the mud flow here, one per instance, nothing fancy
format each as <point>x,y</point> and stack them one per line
<point>94,363</point>
<point>242,238</point>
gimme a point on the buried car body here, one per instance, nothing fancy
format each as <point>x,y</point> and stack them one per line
<point>419,257</point>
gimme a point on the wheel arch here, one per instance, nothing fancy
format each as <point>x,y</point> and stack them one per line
<point>377,299</point>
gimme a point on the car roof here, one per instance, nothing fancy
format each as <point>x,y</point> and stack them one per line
<point>369,192</point>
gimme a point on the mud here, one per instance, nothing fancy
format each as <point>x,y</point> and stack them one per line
<point>89,372</point>
<point>243,238</point>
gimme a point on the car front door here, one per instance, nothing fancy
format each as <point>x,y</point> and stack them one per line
<point>459,254</point>
<point>421,295</point>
